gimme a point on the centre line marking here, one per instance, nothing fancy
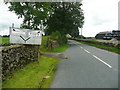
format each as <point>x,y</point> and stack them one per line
<point>102,61</point>
<point>96,57</point>
<point>86,51</point>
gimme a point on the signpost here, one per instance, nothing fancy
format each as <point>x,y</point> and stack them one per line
<point>25,36</point>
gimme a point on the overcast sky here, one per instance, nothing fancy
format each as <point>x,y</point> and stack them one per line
<point>7,18</point>
<point>100,15</point>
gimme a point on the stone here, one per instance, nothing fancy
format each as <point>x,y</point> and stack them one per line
<point>47,77</point>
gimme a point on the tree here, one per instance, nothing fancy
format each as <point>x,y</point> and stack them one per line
<point>66,17</point>
<point>33,13</point>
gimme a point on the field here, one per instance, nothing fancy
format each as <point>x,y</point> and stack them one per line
<point>4,40</point>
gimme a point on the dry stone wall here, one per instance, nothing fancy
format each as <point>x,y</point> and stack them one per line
<point>101,43</point>
<point>52,44</point>
<point>15,57</point>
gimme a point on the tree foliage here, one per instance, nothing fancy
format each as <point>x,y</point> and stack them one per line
<point>33,13</point>
<point>66,17</point>
<point>57,36</point>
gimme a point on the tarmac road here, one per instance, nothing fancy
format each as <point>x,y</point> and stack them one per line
<point>86,67</point>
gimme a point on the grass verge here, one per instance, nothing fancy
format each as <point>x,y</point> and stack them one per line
<point>112,49</point>
<point>60,49</point>
<point>31,75</point>
<point>89,39</point>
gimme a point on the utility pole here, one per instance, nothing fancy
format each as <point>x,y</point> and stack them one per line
<point>81,32</point>
<point>12,25</point>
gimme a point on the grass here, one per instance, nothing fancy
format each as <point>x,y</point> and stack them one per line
<point>89,39</point>
<point>60,49</point>
<point>4,40</point>
<point>31,75</point>
<point>44,49</point>
<point>113,49</point>
<point>43,45</point>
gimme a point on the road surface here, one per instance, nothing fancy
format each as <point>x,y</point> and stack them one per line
<point>86,67</point>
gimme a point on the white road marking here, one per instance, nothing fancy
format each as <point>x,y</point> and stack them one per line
<point>102,61</point>
<point>86,51</point>
<point>96,57</point>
